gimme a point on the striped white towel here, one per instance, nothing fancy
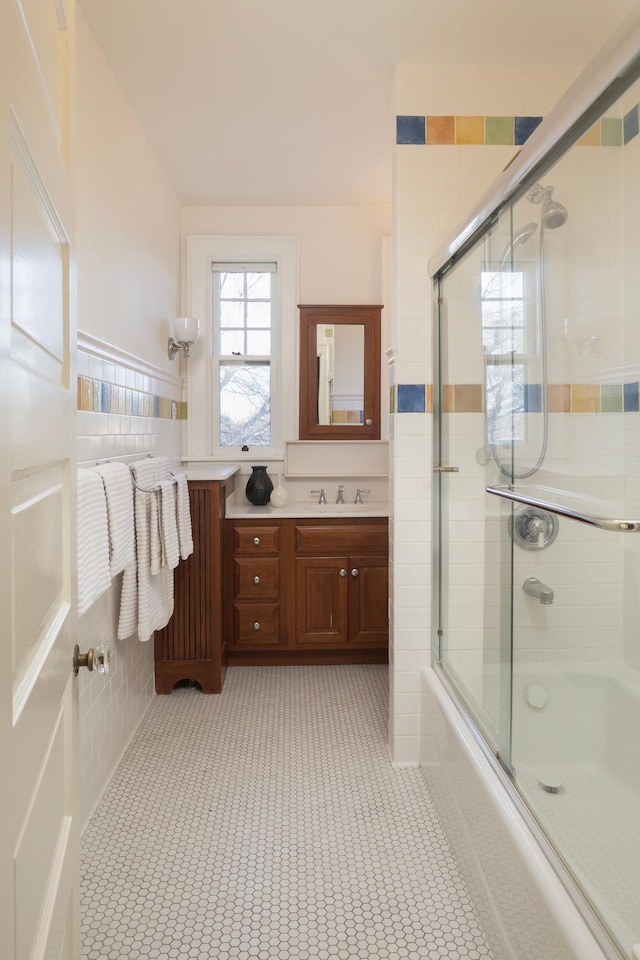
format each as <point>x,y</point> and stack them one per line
<point>147,600</point>
<point>119,493</point>
<point>93,540</point>
<point>169,526</point>
<point>183,515</point>
<point>157,557</point>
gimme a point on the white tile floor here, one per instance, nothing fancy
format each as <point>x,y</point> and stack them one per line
<point>267,822</point>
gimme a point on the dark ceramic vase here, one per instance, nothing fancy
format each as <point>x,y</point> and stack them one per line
<point>259,487</point>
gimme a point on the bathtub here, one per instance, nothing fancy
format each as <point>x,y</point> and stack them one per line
<point>525,908</point>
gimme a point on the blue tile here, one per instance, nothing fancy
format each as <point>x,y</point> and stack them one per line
<point>532,397</point>
<point>630,397</point>
<point>411,398</point>
<point>105,398</point>
<point>630,124</point>
<point>524,127</point>
<point>410,130</point>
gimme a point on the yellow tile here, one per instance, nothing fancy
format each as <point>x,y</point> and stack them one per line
<point>591,137</point>
<point>339,416</point>
<point>470,130</point>
<point>585,398</point>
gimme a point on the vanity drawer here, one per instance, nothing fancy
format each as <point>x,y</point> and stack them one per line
<point>337,539</point>
<point>256,539</point>
<point>256,578</point>
<point>257,625</point>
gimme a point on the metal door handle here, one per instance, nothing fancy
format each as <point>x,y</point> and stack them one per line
<point>98,658</point>
<point>446,469</point>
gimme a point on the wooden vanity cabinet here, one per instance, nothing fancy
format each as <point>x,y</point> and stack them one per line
<point>192,645</point>
<point>307,591</point>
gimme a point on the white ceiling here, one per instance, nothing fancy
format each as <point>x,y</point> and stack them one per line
<point>290,102</point>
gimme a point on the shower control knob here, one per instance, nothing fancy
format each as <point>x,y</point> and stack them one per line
<point>533,528</point>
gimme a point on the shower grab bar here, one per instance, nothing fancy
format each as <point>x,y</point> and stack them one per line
<point>603,523</point>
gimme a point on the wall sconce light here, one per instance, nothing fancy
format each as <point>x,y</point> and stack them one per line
<point>186,331</point>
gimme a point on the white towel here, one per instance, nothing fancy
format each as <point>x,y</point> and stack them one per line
<point>171,550</point>
<point>93,540</point>
<point>119,493</point>
<point>157,557</point>
<point>147,600</point>
<point>183,516</point>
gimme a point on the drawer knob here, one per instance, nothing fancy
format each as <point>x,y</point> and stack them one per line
<point>256,541</point>
<point>343,572</point>
<point>256,579</point>
<point>355,572</point>
<point>256,625</point>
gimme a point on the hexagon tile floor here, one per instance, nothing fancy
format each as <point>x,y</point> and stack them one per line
<point>268,823</point>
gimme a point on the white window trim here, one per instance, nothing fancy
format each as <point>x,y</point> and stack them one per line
<point>202,251</point>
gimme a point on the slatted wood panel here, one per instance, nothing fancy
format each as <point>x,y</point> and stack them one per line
<point>191,646</point>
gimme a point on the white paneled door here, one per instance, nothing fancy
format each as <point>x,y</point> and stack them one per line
<point>38,711</point>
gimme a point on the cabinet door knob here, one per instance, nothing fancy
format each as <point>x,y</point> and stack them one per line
<point>256,579</point>
<point>355,572</point>
<point>256,625</point>
<point>256,541</point>
<point>343,572</point>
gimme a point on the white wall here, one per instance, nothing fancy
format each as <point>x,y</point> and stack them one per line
<point>339,246</point>
<point>434,187</point>
<point>128,230</point>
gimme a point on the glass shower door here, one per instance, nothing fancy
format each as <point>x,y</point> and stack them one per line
<point>473,552</point>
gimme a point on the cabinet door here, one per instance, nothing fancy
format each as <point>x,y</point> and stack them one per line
<point>368,600</point>
<point>322,601</point>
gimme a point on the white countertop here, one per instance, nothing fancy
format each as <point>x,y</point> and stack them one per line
<point>211,471</point>
<point>243,510</point>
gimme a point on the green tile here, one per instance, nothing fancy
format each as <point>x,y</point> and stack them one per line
<point>393,399</point>
<point>611,398</point>
<point>498,130</point>
<point>611,132</point>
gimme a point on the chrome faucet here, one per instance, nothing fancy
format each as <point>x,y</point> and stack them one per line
<point>536,588</point>
<point>321,498</point>
<point>358,496</point>
<point>340,497</point>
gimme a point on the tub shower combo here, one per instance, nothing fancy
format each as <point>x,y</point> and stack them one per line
<point>536,634</point>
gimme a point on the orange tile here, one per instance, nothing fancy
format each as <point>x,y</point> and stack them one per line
<point>468,397</point>
<point>447,398</point>
<point>470,130</point>
<point>441,130</point>
<point>339,416</point>
<point>591,137</point>
<point>559,397</point>
<point>429,398</point>
<point>585,398</point>
<point>85,394</point>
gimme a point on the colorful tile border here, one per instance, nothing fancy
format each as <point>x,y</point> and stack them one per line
<point>505,131</point>
<point>97,396</point>
<point>562,398</point>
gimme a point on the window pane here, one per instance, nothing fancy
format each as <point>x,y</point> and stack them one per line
<point>505,403</point>
<point>258,313</point>
<point>245,404</point>
<point>258,343</point>
<point>258,286</point>
<point>231,313</point>
<point>231,341</point>
<point>501,284</point>
<point>232,285</point>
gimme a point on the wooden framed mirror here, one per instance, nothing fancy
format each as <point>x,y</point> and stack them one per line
<point>339,372</point>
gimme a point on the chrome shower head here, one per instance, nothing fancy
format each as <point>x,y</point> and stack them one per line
<point>554,215</point>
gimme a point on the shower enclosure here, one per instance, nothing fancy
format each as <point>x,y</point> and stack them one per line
<point>537,487</point>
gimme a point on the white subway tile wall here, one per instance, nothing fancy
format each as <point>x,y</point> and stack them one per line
<point>434,187</point>
<point>111,708</point>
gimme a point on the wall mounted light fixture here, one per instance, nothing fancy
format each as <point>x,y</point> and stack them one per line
<point>186,331</point>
